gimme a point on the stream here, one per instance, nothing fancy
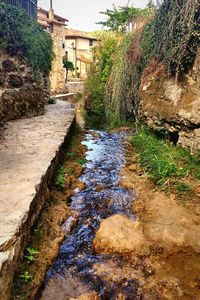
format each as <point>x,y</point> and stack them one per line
<point>73,272</point>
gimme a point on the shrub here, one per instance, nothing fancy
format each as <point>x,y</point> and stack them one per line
<point>21,35</point>
<point>95,85</point>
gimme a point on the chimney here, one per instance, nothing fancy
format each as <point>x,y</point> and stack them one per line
<point>51,11</point>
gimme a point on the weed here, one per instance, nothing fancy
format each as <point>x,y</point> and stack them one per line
<point>60,179</point>
<point>38,232</point>
<point>25,276</point>
<point>162,160</point>
<point>31,252</point>
<point>82,161</point>
<point>71,155</point>
<point>183,187</point>
<point>79,96</point>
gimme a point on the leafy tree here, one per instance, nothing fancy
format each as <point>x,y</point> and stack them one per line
<point>68,65</point>
<point>119,19</point>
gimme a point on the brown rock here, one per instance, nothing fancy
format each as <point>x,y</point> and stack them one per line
<point>119,234</point>
<point>87,296</point>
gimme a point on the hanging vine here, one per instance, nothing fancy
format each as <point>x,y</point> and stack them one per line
<point>173,36</point>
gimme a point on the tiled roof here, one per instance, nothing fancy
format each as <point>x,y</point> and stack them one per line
<point>69,32</point>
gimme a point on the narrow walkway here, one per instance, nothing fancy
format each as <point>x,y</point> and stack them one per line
<point>27,149</point>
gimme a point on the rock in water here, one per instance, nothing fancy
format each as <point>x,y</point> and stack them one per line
<point>119,234</point>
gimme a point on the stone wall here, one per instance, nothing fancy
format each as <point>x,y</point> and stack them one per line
<point>173,105</point>
<point>20,94</point>
<point>75,86</point>
<point>57,75</point>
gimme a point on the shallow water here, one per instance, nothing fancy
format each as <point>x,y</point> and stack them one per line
<point>73,274</point>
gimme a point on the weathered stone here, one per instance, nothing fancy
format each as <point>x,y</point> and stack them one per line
<point>168,104</point>
<point>119,234</point>
<point>29,155</point>
<point>27,101</point>
<point>20,94</point>
<point>75,86</point>
<point>9,66</point>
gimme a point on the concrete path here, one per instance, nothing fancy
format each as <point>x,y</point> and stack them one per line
<point>28,149</point>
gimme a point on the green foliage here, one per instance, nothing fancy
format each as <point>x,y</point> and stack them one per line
<point>118,19</point>
<point>31,252</point>
<point>172,37</point>
<point>95,85</point>
<point>22,36</point>
<point>82,161</point>
<point>183,187</point>
<point>68,65</point>
<point>162,160</point>
<point>25,276</point>
<point>38,233</point>
<point>121,92</point>
<point>52,100</point>
<point>71,155</point>
<point>60,179</point>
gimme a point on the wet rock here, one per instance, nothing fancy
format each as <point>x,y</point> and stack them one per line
<point>87,296</point>
<point>119,234</point>
<point>65,287</point>
<point>68,225</point>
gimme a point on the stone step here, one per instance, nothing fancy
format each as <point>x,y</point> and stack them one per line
<point>30,151</point>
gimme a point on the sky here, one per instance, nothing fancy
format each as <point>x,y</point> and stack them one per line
<point>83,14</point>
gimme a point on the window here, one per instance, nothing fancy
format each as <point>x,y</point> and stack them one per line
<point>90,43</point>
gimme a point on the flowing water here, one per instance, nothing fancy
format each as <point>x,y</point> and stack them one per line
<point>73,272</point>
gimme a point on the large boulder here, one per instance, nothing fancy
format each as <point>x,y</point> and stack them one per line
<point>119,234</point>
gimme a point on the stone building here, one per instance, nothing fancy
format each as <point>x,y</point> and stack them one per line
<point>78,47</point>
<point>55,25</point>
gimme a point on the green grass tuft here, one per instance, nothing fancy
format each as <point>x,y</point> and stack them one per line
<point>162,160</point>
<point>60,179</point>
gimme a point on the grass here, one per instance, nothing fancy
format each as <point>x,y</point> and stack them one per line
<point>82,161</point>
<point>163,161</point>
<point>60,179</point>
<point>183,187</point>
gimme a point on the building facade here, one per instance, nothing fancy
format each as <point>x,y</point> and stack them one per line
<point>78,48</point>
<point>55,25</point>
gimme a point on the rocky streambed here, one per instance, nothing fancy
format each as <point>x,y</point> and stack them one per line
<point>121,238</point>
<point>130,241</point>
<point>77,271</point>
